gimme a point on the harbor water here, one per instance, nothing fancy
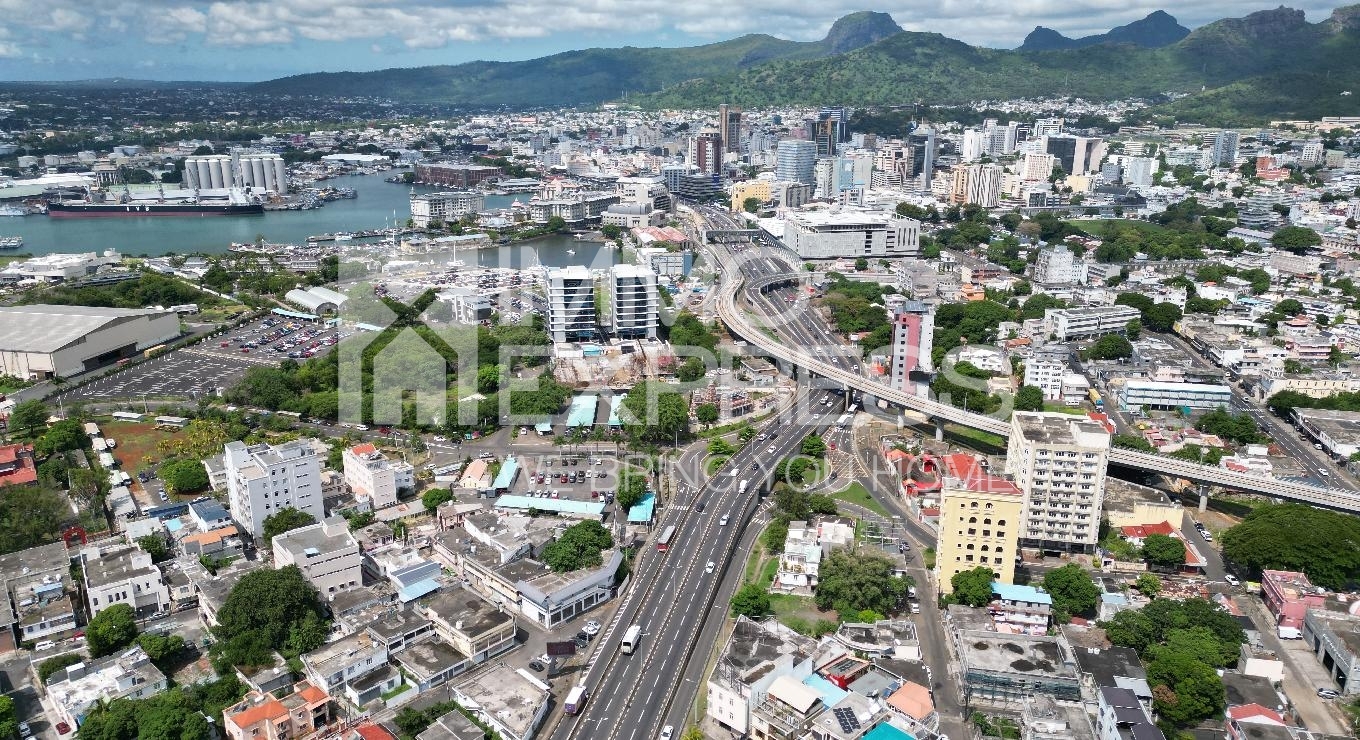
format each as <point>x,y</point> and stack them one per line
<point>379,205</point>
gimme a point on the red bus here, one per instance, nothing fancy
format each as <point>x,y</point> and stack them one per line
<point>664,543</point>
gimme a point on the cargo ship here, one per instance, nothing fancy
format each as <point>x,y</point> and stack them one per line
<point>231,202</point>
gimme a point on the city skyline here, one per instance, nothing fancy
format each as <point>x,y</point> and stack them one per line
<point>248,41</point>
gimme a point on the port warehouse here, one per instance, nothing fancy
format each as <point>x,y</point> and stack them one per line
<point>43,341</point>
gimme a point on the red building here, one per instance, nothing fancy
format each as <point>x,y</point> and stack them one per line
<point>16,465</point>
<point>1289,596</point>
<point>455,175</point>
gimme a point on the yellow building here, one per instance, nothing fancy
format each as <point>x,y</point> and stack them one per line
<point>979,522</point>
<point>750,189</point>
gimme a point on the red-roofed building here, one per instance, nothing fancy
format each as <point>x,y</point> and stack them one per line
<point>979,524</point>
<point>1250,714</point>
<point>370,731</point>
<point>1137,534</point>
<point>261,716</point>
<point>16,465</point>
<point>1289,596</point>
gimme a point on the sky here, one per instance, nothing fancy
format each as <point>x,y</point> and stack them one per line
<point>246,40</point>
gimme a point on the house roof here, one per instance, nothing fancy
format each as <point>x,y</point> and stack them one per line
<point>1254,713</point>
<point>913,700</point>
<point>268,709</point>
<point>363,449</point>
<point>792,692</point>
<point>312,694</point>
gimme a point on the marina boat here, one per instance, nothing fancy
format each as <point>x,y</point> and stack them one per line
<point>11,242</point>
<point>13,211</point>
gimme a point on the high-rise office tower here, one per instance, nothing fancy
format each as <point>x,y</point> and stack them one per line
<point>1047,127</point>
<point>1225,148</point>
<point>924,149</point>
<point>913,344</point>
<point>795,161</point>
<point>706,153</point>
<point>973,146</point>
<point>729,128</point>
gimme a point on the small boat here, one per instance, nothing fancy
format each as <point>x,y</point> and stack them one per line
<point>13,211</point>
<point>11,242</point>
<point>571,251</point>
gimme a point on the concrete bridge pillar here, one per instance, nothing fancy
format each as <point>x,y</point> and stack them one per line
<point>939,429</point>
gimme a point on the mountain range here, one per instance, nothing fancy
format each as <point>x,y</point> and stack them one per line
<point>1157,29</point>
<point>1269,64</point>
<point>589,76</point>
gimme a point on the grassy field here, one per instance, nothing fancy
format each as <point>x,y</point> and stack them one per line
<point>1104,227</point>
<point>989,442</point>
<point>1062,408</point>
<point>712,463</point>
<point>857,494</point>
<point>136,440</point>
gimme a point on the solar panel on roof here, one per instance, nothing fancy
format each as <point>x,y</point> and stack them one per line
<point>846,717</point>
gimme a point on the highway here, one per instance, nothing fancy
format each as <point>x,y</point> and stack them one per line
<point>741,322</point>
<point>676,601</point>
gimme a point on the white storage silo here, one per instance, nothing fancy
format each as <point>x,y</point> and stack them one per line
<point>220,170</point>
<point>204,173</point>
<point>257,173</point>
<point>280,178</point>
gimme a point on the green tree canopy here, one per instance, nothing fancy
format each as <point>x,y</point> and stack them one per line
<point>1268,539</point>
<point>851,582</point>
<point>1163,551</point>
<point>1296,239</point>
<point>1029,398</point>
<point>270,610</point>
<point>111,630</point>
<point>631,490</point>
<point>1110,347</point>
<point>1184,690</point>
<point>434,497</point>
<point>813,446</point>
<point>285,520</point>
<point>706,413</point>
<point>578,547</point>
<point>751,600</point>
<point>183,476</point>
<point>1072,590</point>
<point>67,434</point>
<point>29,416</point>
<point>973,587</point>
<point>1148,585</point>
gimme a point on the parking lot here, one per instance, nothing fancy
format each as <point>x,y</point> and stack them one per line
<point>271,339</point>
<point>186,373</point>
<point>574,477</point>
<point>215,363</point>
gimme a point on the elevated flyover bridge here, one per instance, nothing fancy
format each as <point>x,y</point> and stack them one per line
<point>740,323</point>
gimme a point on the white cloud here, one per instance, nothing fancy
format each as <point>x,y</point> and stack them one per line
<point>433,24</point>
<point>10,50</point>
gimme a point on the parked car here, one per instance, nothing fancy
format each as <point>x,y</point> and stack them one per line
<point>1231,579</point>
<point>1327,693</point>
<point>592,627</point>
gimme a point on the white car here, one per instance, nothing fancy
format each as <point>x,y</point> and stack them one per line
<point>440,438</point>
<point>1231,579</point>
<point>666,733</point>
<point>722,522</point>
<point>709,568</point>
<point>591,628</point>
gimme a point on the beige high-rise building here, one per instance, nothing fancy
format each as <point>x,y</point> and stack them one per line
<point>1059,462</point>
<point>979,522</point>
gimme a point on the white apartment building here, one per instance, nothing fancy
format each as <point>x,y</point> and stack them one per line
<point>444,207</point>
<point>1058,266</point>
<point>372,476</point>
<point>325,552</point>
<point>469,306</point>
<point>1066,324</point>
<point>1058,461</point>
<point>571,304</point>
<point>838,233</point>
<point>1037,167</point>
<point>123,575</point>
<point>263,479</point>
<point>1046,374</point>
<point>634,305</point>
<point>76,690</point>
